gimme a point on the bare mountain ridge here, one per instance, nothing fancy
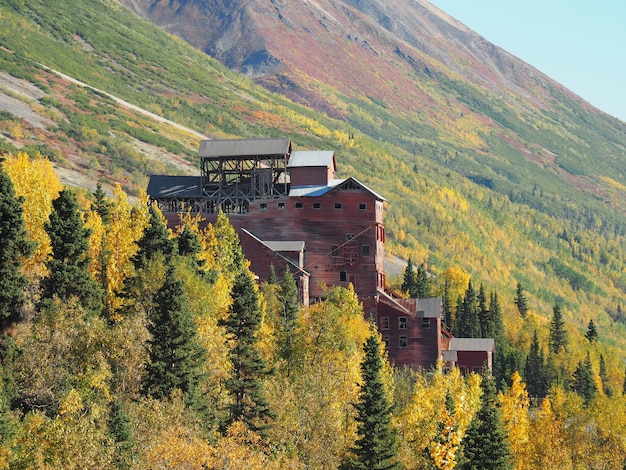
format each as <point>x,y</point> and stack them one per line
<point>374,47</point>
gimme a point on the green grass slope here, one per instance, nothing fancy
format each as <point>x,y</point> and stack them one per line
<point>462,192</point>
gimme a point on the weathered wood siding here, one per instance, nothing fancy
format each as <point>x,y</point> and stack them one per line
<point>409,342</point>
<point>349,220</point>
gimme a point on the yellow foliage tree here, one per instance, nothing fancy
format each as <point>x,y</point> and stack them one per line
<point>430,431</point>
<point>112,245</point>
<point>515,408</point>
<point>548,447</point>
<point>315,416</point>
<point>35,180</point>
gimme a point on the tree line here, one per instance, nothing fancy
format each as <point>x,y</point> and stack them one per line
<point>129,345</point>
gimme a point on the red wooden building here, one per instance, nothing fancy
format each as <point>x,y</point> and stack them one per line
<point>290,210</point>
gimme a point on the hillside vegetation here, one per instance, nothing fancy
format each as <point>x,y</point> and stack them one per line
<point>498,192</point>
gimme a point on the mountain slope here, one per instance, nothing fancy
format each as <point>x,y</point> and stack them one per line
<point>510,189</point>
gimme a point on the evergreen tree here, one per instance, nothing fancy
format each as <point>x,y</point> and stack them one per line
<point>289,316</point>
<point>486,445</point>
<point>558,335</point>
<point>534,372</point>
<point>155,239</point>
<point>176,358</point>
<point>188,245</point>
<point>592,332</point>
<point>494,326</point>
<point>446,305</point>
<point>583,382</point>
<point>409,281</point>
<point>248,367</point>
<point>13,248</point>
<point>100,204</point>
<point>520,301</point>
<point>376,446</point>
<point>423,287</point>
<point>68,268</point>
<point>604,378</point>
<point>468,320</point>
<point>120,429</point>
<point>271,277</point>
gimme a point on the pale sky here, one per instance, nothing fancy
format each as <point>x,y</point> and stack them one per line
<point>579,43</point>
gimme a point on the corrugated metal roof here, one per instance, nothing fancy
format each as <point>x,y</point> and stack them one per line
<point>287,246</point>
<point>428,308</point>
<point>295,265</point>
<point>449,356</point>
<point>314,190</point>
<point>320,190</point>
<point>244,147</point>
<point>165,186</point>
<point>306,158</point>
<point>471,344</point>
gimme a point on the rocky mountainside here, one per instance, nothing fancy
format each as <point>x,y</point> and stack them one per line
<point>371,47</point>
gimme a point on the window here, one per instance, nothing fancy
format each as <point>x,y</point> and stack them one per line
<point>425,322</point>
<point>386,341</point>
<point>263,205</point>
<point>365,251</point>
<point>380,233</point>
<point>343,276</point>
<point>281,205</point>
<point>349,236</point>
<point>476,370</point>
<point>299,205</point>
<point>334,251</point>
<point>403,342</point>
<point>402,323</point>
<point>384,323</point>
<point>317,205</point>
<point>337,205</point>
<point>362,206</point>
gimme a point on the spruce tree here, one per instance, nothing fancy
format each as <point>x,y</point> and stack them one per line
<point>446,305</point>
<point>534,372</point>
<point>289,316</point>
<point>592,332</point>
<point>583,382</point>
<point>176,358</point>
<point>248,367</point>
<point>376,446</point>
<point>271,277</point>
<point>423,288</point>
<point>68,267</point>
<point>155,239</point>
<point>604,378</point>
<point>520,301</point>
<point>410,280</point>
<point>13,248</point>
<point>558,335</point>
<point>120,430</point>
<point>468,321</point>
<point>188,245</point>
<point>486,445</point>
<point>484,320</point>
<point>100,204</point>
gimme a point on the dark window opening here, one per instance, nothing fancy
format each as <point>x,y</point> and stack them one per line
<point>343,276</point>
<point>299,205</point>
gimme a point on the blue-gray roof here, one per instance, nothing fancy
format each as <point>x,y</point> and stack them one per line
<point>320,190</point>
<point>165,186</point>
